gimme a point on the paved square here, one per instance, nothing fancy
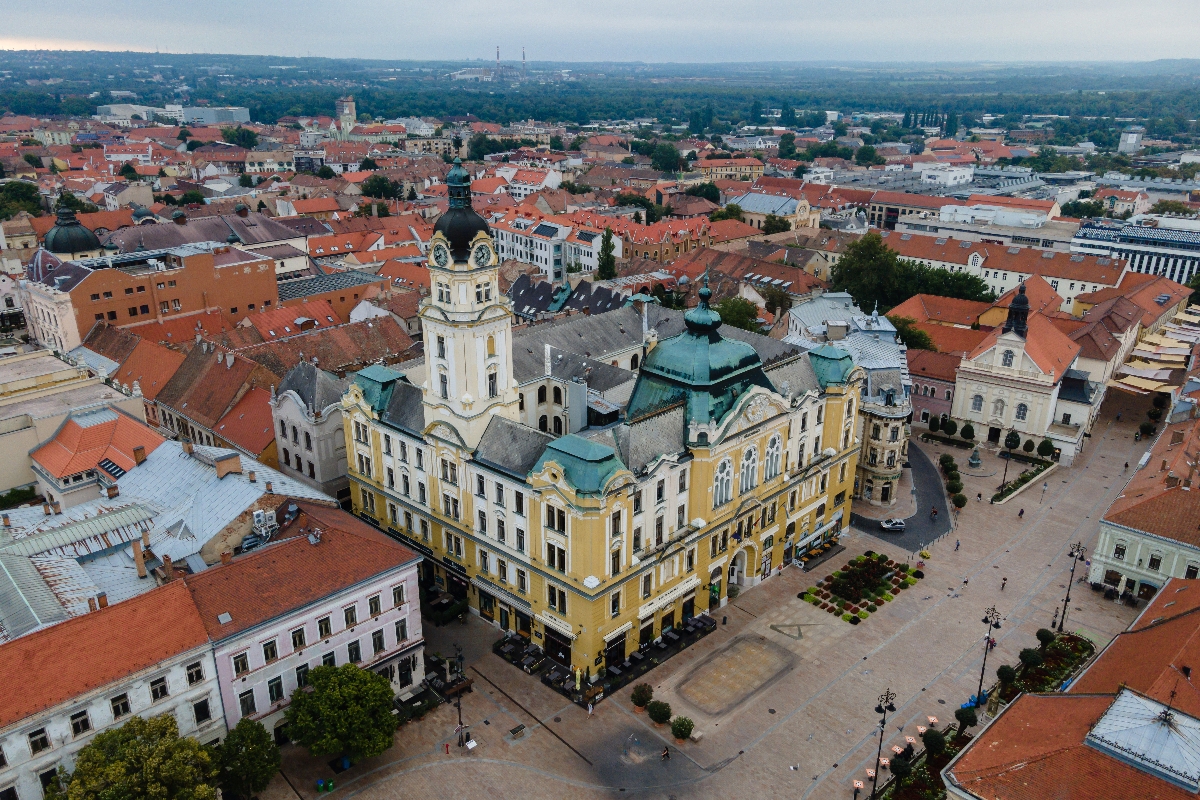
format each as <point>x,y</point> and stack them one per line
<point>733,674</point>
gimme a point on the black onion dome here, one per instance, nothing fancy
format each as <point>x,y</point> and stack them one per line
<point>69,235</point>
<point>460,223</point>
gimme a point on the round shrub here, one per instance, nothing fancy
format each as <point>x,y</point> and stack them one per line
<point>846,617</point>
<point>642,694</point>
<point>954,476</point>
<point>902,585</point>
<point>1031,657</point>
<point>682,727</point>
<point>901,767</point>
<point>967,432</point>
<point>1046,448</point>
<point>967,718</point>
<point>1146,428</point>
<point>946,458</point>
<point>888,597</point>
<point>1029,446</point>
<point>1044,636</point>
<point>863,615</point>
<point>918,574</point>
<point>935,424</point>
<point>855,620</point>
<point>959,500</point>
<point>872,608</point>
<point>659,711</point>
<point>1154,414</point>
<point>950,427</point>
<point>1006,674</point>
<point>903,568</point>
<point>954,487</point>
<point>935,742</point>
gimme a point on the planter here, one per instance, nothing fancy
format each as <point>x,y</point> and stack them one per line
<point>680,741</point>
<point>639,710</point>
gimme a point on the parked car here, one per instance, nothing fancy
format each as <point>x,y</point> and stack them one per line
<point>892,524</point>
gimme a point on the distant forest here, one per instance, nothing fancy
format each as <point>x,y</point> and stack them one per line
<point>1167,93</point>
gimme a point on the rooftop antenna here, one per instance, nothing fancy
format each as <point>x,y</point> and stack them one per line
<point>1167,715</point>
<point>497,58</point>
<point>522,63</point>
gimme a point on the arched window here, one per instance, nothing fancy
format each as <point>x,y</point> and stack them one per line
<point>633,361</point>
<point>557,396</point>
<point>1022,411</point>
<point>542,423</point>
<point>558,426</point>
<point>542,395</point>
<point>948,394</point>
<point>491,345</point>
<point>774,458</point>
<point>998,408</point>
<point>287,456</point>
<point>520,402</point>
<point>1006,360</point>
<point>977,403</point>
<point>925,391</point>
<point>723,483</point>
<point>492,383</point>
<point>749,470</point>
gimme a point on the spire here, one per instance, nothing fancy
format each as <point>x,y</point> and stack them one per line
<point>702,319</point>
<point>458,183</point>
<point>1018,314</point>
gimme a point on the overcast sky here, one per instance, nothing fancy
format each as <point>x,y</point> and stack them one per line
<point>622,30</point>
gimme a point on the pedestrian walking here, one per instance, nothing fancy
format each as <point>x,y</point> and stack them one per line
<point>591,707</point>
<point>1021,514</point>
<point>1002,583</point>
<point>666,754</point>
<point>933,513</point>
<point>1118,416</point>
<point>956,543</point>
<point>979,496</point>
<point>964,583</point>
<point>1126,467</point>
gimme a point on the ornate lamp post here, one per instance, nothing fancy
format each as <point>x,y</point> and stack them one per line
<point>884,706</point>
<point>991,618</point>
<point>1077,552</point>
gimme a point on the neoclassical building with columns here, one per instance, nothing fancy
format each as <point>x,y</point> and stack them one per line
<point>591,482</point>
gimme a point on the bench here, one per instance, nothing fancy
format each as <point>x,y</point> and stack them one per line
<point>516,731</point>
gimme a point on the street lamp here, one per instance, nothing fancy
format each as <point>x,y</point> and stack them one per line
<point>884,706</point>
<point>458,697</point>
<point>1077,551</point>
<point>991,618</point>
<point>1012,440</point>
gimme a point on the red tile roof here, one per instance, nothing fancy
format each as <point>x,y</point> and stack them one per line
<point>280,322</point>
<point>316,205</point>
<point>60,663</point>
<point>727,230</point>
<point>1051,350</point>
<point>292,572</point>
<point>930,364</point>
<point>944,310</point>
<point>108,220</point>
<point>1149,504</point>
<point>249,424</point>
<point>151,365</point>
<point>406,274</point>
<point>76,448</point>
<point>947,339</point>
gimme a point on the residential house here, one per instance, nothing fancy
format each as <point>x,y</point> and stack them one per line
<point>306,410</point>
<point>756,207</point>
<point>933,377</point>
<point>737,169</point>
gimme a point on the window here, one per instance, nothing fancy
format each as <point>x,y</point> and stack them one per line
<point>1022,411</point>
<point>977,403</point>
<point>275,689</point>
<point>485,562</point>
<point>680,517</point>
<point>246,703</point>
<point>1191,572</point>
<point>1066,419</point>
<point>949,395</point>
<point>493,387</point>
<point>723,484</point>
<point>298,639</point>
<point>749,478</point>
<point>637,502</point>
<point>450,472</point>
<point>441,347</point>
<point>557,599</point>
<point>556,557</point>
<point>875,432</point>
<point>774,457</point>
<point>377,642</point>
<point>556,519</point>
<point>324,628</point>
<point>480,486</point>
<point>120,706</point>
<point>374,605</point>
<point>443,385</point>
<point>351,615</point>
<point>80,724</point>
<point>483,522</point>
<point>201,712</point>
<point>354,652</point>
<point>616,561</point>
<point>270,651</point>
<point>683,480</point>
<point>520,542</point>
<point>615,604</point>
<point>1007,359</point>
<point>690,562</point>
<point>660,491</point>
<point>541,394</point>
<point>500,495</point>
<point>401,630</point>
<point>1155,562</point>
<point>519,503</point>
<point>405,485</point>
<point>645,586</point>
<point>195,673</point>
<point>38,741</point>
<point>450,506</point>
<point>158,689</point>
<point>558,397</point>
<point>404,452</point>
<point>501,534</point>
<point>302,675</point>
<point>658,531</point>
<point>241,664</point>
<point>1119,552</point>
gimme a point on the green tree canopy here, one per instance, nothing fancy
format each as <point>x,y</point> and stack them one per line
<point>787,144</point>
<point>72,201</point>
<point>874,274</point>
<point>348,712</point>
<point>184,135</point>
<point>776,299</point>
<point>866,156</point>
<point>326,172</point>
<point>380,186</point>
<point>708,190</point>
<point>731,211</point>
<point>242,137</point>
<point>775,224</point>
<point>1012,440</point>
<point>128,172</point>
<point>144,758</point>
<point>556,142</point>
<point>606,266</point>
<point>1171,207</point>
<point>248,759</point>
<point>1083,208</point>
<point>910,335</point>
<point>368,163</point>
<point>630,199</point>
<point>739,312</point>
<point>192,197</point>
<point>246,180</point>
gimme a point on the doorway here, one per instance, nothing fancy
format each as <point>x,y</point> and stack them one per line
<point>714,589</point>
<point>487,606</point>
<point>646,634</point>
<point>766,564</point>
<point>668,621</point>
<point>558,648</point>
<point>689,608</point>
<point>994,435</point>
<point>523,624</point>
<point>504,618</point>
<point>614,652</point>
<point>737,569</point>
<point>885,493</point>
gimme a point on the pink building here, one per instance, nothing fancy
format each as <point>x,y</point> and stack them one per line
<point>932,383</point>
<point>327,590</point>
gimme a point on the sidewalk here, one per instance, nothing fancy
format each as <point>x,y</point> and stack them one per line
<point>904,507</point>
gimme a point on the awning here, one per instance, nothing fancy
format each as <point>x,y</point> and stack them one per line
<point>818,533</point>
<point>556,625</point>
<point>628,626</point>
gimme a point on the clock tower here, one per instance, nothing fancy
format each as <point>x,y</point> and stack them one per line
<point>466,322</point>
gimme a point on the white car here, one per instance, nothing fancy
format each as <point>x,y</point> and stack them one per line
<point>892,524</point>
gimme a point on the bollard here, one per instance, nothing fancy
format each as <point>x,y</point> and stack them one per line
<point>723,620</point>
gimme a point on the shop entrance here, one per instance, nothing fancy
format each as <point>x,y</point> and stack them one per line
<point>646,634</point>
<point>504,618</point>
<point>614,652</point>
<point>523,624</point>
<point>668,621</point>
<point>558,648</point>
<point>487,606</point>
<point>689,608</point>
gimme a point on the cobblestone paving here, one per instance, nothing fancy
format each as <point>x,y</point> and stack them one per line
<point>804,732</point>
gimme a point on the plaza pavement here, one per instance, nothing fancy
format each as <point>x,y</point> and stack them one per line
<point>781,684</point>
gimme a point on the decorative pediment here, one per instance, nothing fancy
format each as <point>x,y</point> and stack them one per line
<point>751,409</point>
<point>446,433</point>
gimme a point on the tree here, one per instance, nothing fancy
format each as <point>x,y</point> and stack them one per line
<point>874,274</point>
<point>642,694</point>
<point>799,171</point>
<point>1012,440</point>
<point>242,137</point>
<point>659,711</point>
<point>707,190</point>
<point>1046,448</point>
<point>1031,657</point>
<point>959,500</point>
<point>368,163</point>
<point>967,432</point>
<point>128,172</point>
<point>682,727</point>
<point>33,160</point>
<point>950,427</point>
<point>629,199</point>
<point>142,758</point>
<point>787,144</point>
<point>556,142</point>
<point>380,186</point>
<point>731,211</point>
<point>776,300</point>
<point>935,742</point>
<point>248,759</point>
<point>910,335</point>
<point>901,767</point>
<point>606,263</point>
<point>775,224</point>
<point>966,718</point>
<point>1029,446</point>
<point>867,156</point>
<point>935,424</point>
<point>739,312</point>
<point>1083,208</point>
<point>1045,636</point>
<point>72,201</point>
<point>192,197</point>
<point>184,135</point>
<point>951,125</point>
<point>1006,674</point>
<point>326,172</point>
<point>246,180</point>
<point>348,712</point>
<point>1172,207</point>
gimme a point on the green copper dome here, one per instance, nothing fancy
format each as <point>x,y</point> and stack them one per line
<point>698,368</point>
<point>460,223</point>
<point>69,235</point>
<point>832,364</point>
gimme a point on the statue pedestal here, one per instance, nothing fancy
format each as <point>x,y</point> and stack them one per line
<point>975,462</point>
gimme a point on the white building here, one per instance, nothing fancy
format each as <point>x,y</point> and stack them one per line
<point>551,246</point>
<point>947,174</point>
<point>307,413</point>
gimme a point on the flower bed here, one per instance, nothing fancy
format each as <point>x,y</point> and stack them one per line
<point>1022,480</point>
<point>1061,659</point>
<point>861,587</point>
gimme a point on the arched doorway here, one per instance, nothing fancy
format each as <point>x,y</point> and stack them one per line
<point>714,588</point>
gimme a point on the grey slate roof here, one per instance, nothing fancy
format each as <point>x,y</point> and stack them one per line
<point>254,229</point>
<point>529,364</point>
<point>593,336</point>
<point>639,444</point>
<point>404,409</point>
<point>511,447</point>
<point>306,287</point>
<point>315,387</point>
<point>756,203</point>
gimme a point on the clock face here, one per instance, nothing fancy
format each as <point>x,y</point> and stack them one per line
<point>482,255</point>
<point>441,256</point>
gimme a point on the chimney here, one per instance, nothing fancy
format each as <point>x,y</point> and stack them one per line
<point>187,445</point>
<point>139,558</point>
<point>113,491</point>
<point>102,599</point>
<point>227,557</point>
<point>253,476</point>
<point>269,487</point>
<point>167,568</point>
<point>139,454</point>
<point>46,509</point>
<point>57,507</point>
<point>7,521</point>
<point>228,464</point>
<point>92,604</point>
<point>546,362</point>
